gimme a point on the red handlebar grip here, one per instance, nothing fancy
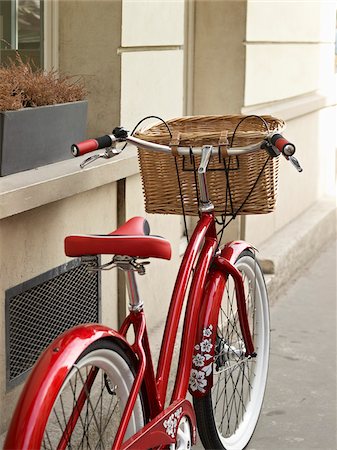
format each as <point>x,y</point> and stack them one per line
<point>91,145</point>
<point>283,145</point>
<point>84,147</point>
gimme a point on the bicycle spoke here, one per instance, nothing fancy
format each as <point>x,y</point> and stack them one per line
<point>89,403</point>
<point>75,404</point>
<point>234,384</point>
<point>98,401</point>
<point>109,417</point>
<point>49,441</point>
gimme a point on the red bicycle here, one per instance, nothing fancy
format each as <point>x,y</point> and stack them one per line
<point>93,388</point>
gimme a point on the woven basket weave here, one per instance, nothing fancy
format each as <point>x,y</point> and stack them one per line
<point>248,187</point>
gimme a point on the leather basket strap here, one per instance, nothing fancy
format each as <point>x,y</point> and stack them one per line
<point>174,143</point>
<point>223,143</point>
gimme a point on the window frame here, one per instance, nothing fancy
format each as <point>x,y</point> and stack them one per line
<point>49,33</point>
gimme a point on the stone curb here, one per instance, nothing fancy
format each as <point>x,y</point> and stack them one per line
<point>285,253</point>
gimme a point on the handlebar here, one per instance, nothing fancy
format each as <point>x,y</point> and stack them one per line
<point>274,143</point>
<point>105,141</point>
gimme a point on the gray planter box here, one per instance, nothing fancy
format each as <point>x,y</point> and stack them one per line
<point>34,137</point>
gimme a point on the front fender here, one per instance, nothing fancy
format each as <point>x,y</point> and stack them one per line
<point>232,250</point>
<point>42,387</point>
<point>201,379</point>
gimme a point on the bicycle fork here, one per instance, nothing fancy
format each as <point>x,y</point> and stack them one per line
<point>227,268</point>
<point>223,267</point>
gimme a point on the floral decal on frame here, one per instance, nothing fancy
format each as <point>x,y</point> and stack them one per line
<point>171,424</point>
<point>202,361</point>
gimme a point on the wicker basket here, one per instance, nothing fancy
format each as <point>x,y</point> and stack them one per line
<point>237,185</point>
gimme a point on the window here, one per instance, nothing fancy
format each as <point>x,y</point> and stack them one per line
<point>21,29</point>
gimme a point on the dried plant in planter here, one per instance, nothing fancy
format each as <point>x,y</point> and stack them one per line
<point>10,95</point>
<point>41,115</point>
<point>22,86</point>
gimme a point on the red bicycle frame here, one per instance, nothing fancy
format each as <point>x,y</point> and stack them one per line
<point>204,270</point>
<point>209,269</point>
<point>202,307</point>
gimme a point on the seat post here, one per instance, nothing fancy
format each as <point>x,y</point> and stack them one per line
<point>135,304</point>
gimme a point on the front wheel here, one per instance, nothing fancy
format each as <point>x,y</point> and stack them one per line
<point>228,414</point>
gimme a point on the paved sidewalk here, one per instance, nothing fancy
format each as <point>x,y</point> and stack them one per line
<point>300,404</point>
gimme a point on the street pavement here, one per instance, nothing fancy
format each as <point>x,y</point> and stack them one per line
<point>299,410</point>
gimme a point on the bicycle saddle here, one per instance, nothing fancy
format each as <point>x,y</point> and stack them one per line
<point>130,239</point>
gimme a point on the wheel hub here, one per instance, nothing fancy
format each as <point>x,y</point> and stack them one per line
<point>226,352</point>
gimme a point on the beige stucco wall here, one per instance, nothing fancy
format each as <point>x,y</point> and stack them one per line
<point>154,23</point>
<point>32,243</point>
<point>293,65</point>
<point>219,64</point>
<point>89,36</point>
<point>296,192</point>
<point>250,56</point>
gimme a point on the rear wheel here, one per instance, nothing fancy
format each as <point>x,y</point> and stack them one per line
<point>228,414</point>
<point>89,406</point>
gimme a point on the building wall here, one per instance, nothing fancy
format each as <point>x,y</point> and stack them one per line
<point>289,70</point>
<point>32,243</point>
<point>219,64</point>
<point>89,37</point>
<point>253,57</point>
<point>219,56</point>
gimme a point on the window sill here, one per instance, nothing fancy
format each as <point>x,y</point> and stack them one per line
<point>33,188</point>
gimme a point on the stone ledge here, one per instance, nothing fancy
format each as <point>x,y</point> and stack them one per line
<point>33,188</point>
<point>285,253</point>
<point>291,108</point>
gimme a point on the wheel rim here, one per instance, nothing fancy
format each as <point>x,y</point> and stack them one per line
<point>239,382</point>
<point>101,380</point>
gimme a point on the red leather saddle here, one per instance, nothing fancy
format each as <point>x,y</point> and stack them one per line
<point>131,239</point>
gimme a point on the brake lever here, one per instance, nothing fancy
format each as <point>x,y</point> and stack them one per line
<point>274,152</point>
<point>109,152</point>
<point>294,161</point>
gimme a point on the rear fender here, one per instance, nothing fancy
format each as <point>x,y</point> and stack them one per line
<point>201,380</point>
<point>45,381</point>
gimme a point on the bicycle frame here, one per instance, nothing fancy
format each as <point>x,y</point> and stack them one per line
<point>199,257</point>
<point>204,271</point>
<point>203,265</point>
<point>211,268</point>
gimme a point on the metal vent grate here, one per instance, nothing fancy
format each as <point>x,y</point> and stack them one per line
<point>39,310</point>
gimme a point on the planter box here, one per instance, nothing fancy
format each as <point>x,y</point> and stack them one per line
<point>34,137</point>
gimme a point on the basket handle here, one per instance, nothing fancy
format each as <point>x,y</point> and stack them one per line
<point>174,143</point>
<point>224,143</point>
